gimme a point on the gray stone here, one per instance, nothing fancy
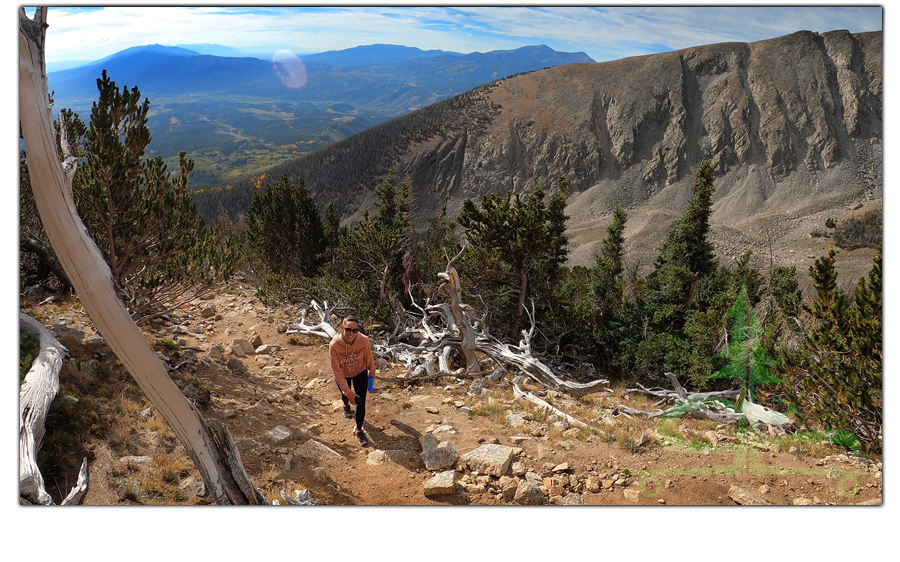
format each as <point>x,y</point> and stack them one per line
<point>230,412</point>
<point>743,497</point>
<point>534,478</point>
<point>60,330</point>
<point>441,457</point>
<point>278,433</point>
<point>396,456</point>
<point>256,341</point>
<point>529,493</point>
<point>134,459</point>
<point>242,348</point>
<point>216,352</point>
<point>518,468</point>
<point>208,312</point>
<point>476,387</point>
<point>446,428</point>
<point>632,494</point>
<point>428,441</point>
<point>570,499</point>
<point>312,449</point>
<point>147,413</point>
<point>490,459</point>
<point>267,349</point>
<point>191,392</point>
<point>89,367</point>
<point>235,366</point>
<point>515,419</point>
<point>442,483</point>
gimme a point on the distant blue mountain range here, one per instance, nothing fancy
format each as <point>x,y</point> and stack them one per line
<point>390,77</point>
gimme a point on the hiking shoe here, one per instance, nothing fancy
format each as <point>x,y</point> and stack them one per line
<point>363,440</point>
<point>348,413</point>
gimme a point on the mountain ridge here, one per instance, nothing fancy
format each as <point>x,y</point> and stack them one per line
<point>170,71</point>
<point>794,123</point>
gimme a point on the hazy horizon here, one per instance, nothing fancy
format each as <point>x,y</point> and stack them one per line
<point>603,33</point>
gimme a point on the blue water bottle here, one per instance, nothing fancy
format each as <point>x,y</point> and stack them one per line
<point>371,383</point>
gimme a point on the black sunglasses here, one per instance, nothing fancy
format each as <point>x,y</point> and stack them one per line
<point>351,330</point>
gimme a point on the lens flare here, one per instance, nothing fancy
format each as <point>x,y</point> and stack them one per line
<point>289,69</point>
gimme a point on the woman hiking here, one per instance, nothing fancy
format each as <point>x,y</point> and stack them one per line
<point>352,363</point>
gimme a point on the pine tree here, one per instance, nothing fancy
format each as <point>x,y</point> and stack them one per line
<point>835,376</point>
<point>659,332</point>
<point>607,270</point>
<point>143,220</point>
<point>285,230</point>
<point>440,244</point>
<point>684,258</point>
<point>517,245</point>
<point>373,250</point>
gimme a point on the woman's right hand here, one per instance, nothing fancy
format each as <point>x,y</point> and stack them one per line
<point>351,397</point>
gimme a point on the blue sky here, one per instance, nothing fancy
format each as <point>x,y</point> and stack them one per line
<point>604,33</point>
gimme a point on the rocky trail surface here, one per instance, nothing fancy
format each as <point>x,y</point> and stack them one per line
<point>457,442</point>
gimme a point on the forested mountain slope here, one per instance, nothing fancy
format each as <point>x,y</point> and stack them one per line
<point>795,124</point>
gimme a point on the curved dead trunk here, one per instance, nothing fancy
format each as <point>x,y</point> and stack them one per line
<point>211,449</point>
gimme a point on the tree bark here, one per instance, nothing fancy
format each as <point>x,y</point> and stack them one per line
<point>93,281</point>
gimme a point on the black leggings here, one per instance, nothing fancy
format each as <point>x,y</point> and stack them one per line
<point>360,385</point>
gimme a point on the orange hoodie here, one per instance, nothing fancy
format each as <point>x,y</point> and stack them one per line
<point>349,360</point>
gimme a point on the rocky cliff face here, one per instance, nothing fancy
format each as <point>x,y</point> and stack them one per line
<point>794,123</point>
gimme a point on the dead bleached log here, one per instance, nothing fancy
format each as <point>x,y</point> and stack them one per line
<point>323,328</point>
<point>35,396</point>
<point>446,328</point>
<point>505,354</point>
<point>82,261</point>
<point>519,393</point>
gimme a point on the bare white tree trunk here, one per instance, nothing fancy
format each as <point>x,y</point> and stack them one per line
<point>35,396</point>
<point>211,449</point>
<point>467,334</point>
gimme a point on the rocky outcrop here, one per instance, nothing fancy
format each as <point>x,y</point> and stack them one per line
<point>794,123</point>
<point>795,102</point>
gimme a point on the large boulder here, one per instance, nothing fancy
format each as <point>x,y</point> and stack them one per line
<point>490,459</point>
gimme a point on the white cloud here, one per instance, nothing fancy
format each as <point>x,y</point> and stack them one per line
<point>603,33</point>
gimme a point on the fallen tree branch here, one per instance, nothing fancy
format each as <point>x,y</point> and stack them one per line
<point>519,393</point>
<point>35,396</point>
<point>323,328</point>
<point>505,354</point>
